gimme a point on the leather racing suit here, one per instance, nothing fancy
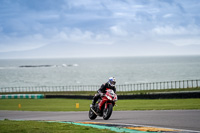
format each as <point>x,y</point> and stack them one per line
<point>101,91</point>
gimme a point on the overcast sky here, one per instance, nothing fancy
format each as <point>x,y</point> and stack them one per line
<point>98,28</point>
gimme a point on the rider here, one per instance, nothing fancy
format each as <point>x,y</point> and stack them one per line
<point>108,85</point>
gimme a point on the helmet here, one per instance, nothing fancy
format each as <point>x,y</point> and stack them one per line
<point>112,81</point>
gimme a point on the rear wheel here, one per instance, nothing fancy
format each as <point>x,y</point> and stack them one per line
<point>92,115</point>
<point>107,112</point>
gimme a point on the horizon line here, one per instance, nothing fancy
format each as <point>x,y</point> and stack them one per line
<point>74,57</point>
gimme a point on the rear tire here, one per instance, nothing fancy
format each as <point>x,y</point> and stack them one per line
<point>107,112</point>
<point>92,115</point>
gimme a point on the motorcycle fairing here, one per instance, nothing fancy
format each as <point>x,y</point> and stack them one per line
<point>104,99</point>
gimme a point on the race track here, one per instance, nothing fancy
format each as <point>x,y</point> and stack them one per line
<point>179,119</point>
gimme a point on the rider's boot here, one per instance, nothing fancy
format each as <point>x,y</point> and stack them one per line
<point>95,98</point>
<point>93,104</point>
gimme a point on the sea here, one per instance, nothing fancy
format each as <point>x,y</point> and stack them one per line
<point>96,71</point>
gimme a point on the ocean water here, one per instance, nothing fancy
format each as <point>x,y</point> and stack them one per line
<point>95,71</point>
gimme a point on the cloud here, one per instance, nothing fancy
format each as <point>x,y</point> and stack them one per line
<point>118,30</point>
<point>179,36</point>
<point>167,15</point>
<point>131,24</point>
<point>180,30</point>
<point>22,43</point>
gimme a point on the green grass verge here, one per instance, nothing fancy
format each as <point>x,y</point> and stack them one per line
<point>92,93</point>
<point>159,91</point>
<point>70,104</point>
<point>159,104</point>
<point>8,126</point>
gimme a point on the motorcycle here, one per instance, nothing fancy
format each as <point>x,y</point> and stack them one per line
<point>104,106</point>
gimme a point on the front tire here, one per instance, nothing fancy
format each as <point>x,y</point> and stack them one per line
<point>107,112</point>
<point>92,115</point>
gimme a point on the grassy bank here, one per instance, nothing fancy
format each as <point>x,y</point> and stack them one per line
<point>8,126</point>
<point>70,104</point>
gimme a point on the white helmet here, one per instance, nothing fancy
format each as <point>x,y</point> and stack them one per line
<point>112,81</point>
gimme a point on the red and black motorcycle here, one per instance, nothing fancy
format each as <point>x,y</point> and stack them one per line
<point>104,106</point>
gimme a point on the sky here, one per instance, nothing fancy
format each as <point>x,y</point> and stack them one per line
<point>99,28</point>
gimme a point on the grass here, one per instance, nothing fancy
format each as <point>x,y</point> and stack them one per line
<point>159,104</point>
<point>70,104</point>
<point>159,91</point>
<point>91,93</point>
<point>8,126</point>
<point>44,104</point>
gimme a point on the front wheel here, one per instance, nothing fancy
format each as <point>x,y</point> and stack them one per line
<point>107,112</point>
<point>92,115</point>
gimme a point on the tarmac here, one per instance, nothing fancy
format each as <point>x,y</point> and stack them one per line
<point>175,121</point>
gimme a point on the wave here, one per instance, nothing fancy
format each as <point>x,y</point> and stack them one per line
<point>69,65</point>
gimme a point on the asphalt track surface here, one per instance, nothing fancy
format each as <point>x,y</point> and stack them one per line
<point>178,119</point>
